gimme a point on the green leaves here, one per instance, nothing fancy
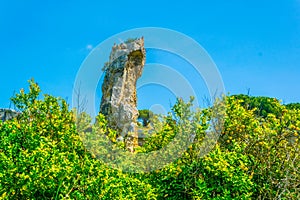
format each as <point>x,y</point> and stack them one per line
<point>44,152</point>
<point>22,101</point>
<point>43,157</point>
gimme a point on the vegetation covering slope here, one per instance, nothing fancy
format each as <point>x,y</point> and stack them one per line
<point>43,153</point>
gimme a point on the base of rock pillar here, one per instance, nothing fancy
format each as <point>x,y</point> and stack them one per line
<point>131,141</point>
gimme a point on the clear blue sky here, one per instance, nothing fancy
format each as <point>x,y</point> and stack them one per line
<point>254,43</point>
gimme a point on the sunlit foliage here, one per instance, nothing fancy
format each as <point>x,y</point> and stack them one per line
<point>45,153</point>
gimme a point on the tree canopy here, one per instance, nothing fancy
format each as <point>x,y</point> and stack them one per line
<point>46,153</point>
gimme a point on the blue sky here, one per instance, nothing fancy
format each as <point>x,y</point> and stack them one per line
<point>255,44</point>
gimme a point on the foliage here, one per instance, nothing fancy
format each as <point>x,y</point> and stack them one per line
<point>256,157</point>
<point>262,105</point>
<point>216,175</point>
<point>50,152</point>
<point>293,106</point>
<point>270,142</point>
<point>130,40</point>
<point>145,115</point>
<point>42,157</point>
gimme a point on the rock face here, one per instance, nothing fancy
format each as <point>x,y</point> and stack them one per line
<point>7,114</point>
<point>119,101</point>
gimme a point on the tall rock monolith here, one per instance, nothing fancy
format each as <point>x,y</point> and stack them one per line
<point>119,99</point>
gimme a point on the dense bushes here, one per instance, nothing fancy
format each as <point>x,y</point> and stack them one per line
<point>44,153</point>
<point>42,157</point>
<point>255,157</point>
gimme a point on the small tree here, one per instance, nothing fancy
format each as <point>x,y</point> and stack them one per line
<point>145,116</point>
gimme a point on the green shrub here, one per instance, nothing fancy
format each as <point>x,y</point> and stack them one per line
<point>43,157</point>
<point>49,152</point>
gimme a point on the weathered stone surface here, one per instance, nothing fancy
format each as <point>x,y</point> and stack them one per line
<point>119,99</point>
<point>7,114</point>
